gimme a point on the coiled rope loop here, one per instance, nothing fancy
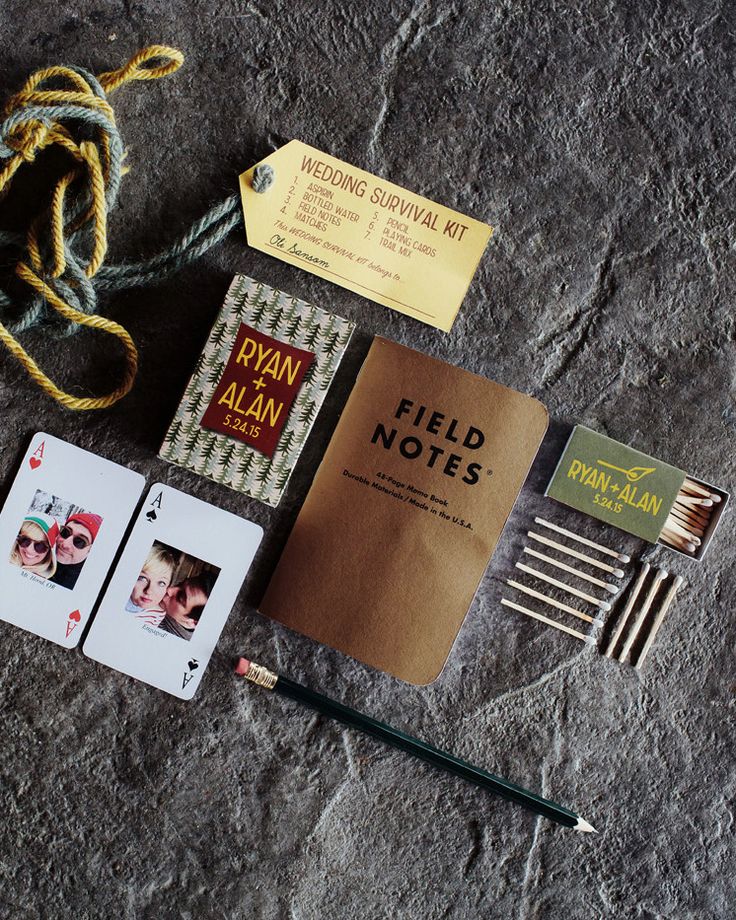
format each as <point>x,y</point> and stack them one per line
<point>60,259</point>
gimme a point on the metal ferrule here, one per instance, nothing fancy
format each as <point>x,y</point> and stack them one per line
<point>261,676</point>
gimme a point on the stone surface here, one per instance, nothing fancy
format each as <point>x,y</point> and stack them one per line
<point>598,138</point>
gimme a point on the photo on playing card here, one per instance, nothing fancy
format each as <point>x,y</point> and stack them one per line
<point>60,527</point>
<point>172,590</point>
<point>55,539</point>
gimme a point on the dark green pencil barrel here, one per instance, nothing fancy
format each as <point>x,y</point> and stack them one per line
<point>426,752</point>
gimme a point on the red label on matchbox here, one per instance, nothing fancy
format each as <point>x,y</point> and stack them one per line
<point>256,389</point>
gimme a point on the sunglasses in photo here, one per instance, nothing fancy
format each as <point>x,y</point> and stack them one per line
<point>78,540</point>
<point>25,542</point>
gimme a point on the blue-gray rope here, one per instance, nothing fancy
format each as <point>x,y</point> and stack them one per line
<point>58,261</point>
<point>19,314</point>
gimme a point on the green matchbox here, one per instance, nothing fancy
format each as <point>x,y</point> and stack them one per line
<point>621,486</point>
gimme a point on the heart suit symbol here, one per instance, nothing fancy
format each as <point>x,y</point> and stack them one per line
<point>35,463</point>
<point>75,615</point>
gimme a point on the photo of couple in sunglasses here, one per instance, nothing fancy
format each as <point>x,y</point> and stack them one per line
<point>54,539</point>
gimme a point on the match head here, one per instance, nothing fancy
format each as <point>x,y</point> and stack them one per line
<point>661,574</point>
<point>612,589</point>
<point>622,557</point>
<point>618,573</point>
<point>590,640</point>
<point>597,623</point>
<point>242,667</point>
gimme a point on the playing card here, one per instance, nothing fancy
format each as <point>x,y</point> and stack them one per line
<point>60,528</point>
<point>172,591</point>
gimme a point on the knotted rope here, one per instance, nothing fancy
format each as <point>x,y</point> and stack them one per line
<point>59,262</point>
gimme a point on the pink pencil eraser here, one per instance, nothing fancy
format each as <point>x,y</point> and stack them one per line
<point>241,668</point>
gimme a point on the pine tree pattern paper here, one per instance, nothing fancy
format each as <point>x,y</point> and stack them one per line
<point>226,459</point>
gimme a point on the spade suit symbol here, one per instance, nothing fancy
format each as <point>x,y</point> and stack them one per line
<point>193,664</point>
<point>151,515</point>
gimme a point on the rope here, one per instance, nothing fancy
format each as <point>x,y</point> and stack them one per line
<point>59,262</point>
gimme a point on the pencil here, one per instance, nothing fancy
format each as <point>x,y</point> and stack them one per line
<point>261,676</point>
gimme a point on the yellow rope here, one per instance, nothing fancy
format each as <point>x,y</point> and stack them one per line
<point>91,163</point>
<point>134,71</point>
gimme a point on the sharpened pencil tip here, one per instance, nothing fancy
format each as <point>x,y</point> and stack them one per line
<point>583,825</point>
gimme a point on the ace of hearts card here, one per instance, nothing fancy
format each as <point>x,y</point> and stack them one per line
<point>172,591</point>
<point>61,525</point>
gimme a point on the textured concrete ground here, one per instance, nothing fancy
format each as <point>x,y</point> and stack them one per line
<point>598,138</point>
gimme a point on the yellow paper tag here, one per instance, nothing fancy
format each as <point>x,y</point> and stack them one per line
<point>363,233</point>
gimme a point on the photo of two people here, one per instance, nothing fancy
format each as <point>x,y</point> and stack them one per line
<point>55,539</point>
<point>171,590</point>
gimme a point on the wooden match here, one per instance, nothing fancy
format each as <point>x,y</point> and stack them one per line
<point>627,609</point>
<point>666,604</point>
<point>695,502</point>
<point>553,602</point>
<point>695,510</point>
<point>622,557</point>
<point>604,567</point>
<point>689,513</point>
<point>700,520</point>
<point>604,605</point>
<point>689,518</point>
<point>694,488</point>
<point>678,540</point>
<point>659,576</point>
<point>589,640</point>
<point>689,523</point>
<point>611,588</point>
<point>682,530</point>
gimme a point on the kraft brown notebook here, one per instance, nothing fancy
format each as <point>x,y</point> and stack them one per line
<point>405,511</point>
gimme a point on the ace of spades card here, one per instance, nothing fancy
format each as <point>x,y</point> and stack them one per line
<point>172,591</point>
<point>61,525</point>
